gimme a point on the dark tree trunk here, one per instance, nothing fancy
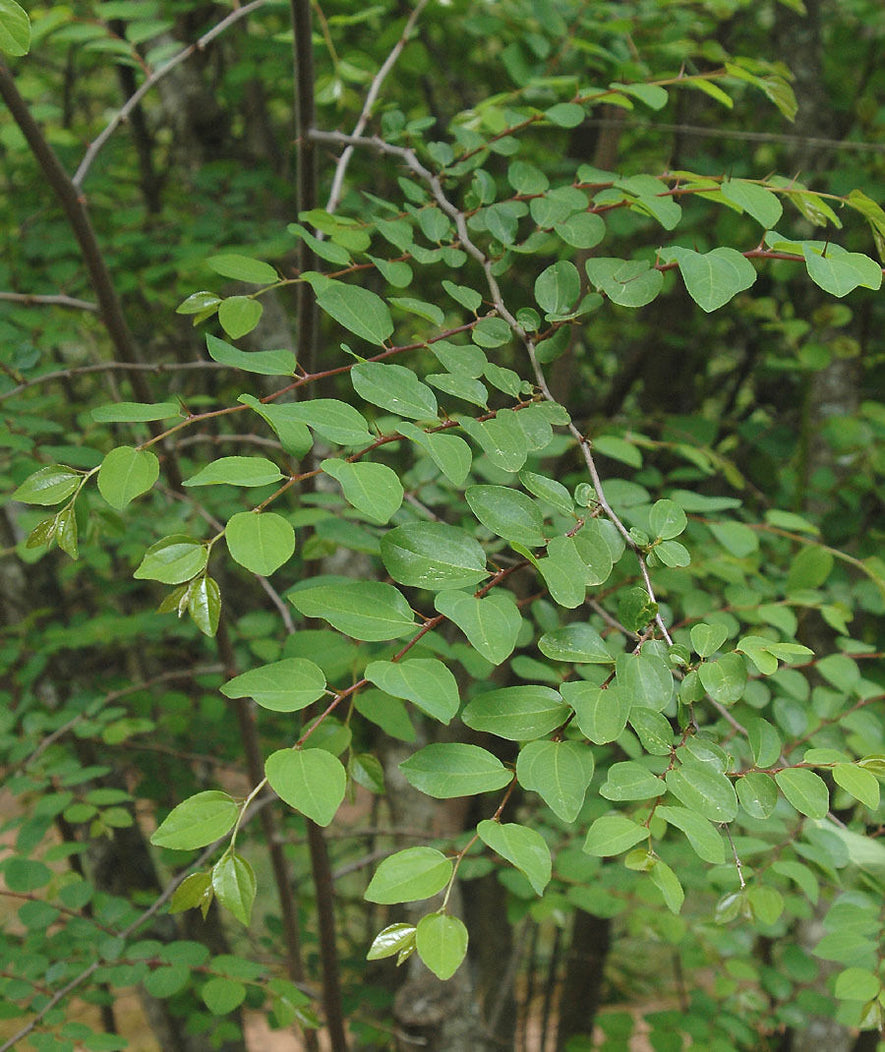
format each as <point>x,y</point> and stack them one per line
<point>584,972</point>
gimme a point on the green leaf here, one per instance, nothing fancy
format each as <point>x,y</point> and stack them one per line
<point>311,781</point>
<point>631,781</point>
<point>712,89</point>
<point>564,572</point>
<point>601,714</point>
<point>295,438</point>
<point>135,412</point>
<point>390,714</point>
<point>764,652</point>
<point>126,473</point>
<point>705,791</point>
<point>507,513</point>
<point>460,386</point>
<point>757,794</point>
<point>565,114</point>
<point>392,941</point>
<point>857,984</point>
<point>243,268</point>
<point>193,891</point>
<point>859,783</point>
<point>653,95</point>
<point>236,471</point>
<point>394,388</point>
<point>502,439</point>
<point>359,310</point>
<point>653,730</point>
<point>810,569</point>
<point>262,542</point>
<point>629,283</point>
<point>265,363</point>
<point>736,538</point>
<point>646,680</point>
<point>559,772</point>
<point>636,608</point>
<point>805,790</point>
<point>724,679</point>
<point>15,29</point>
<point>373,489</point>
<point>705,839</point>
<point>523,847</point>
<point>667,519</point>
<point>361,609</point>
<point>165,981</point>
<point>429,311</point>
<point>766,904</point>
<point>839,272</point>
<point>577,643</point>
<point>755,200</point>
<point>800,874</point>
<point>425,681</point>
<point>173,560</point>
<point>516,713</point>
<point>49,485</point>
<point>450,453</point>
<point>650,196</point>
<point>332,419</point>
<point>558,287</point>
<point>441,942</point>
<point>460,359</point>
<point>233,882</point>
<point>196,822</point>
<point>203,304</point>
<point>549,490</point>
<point>239,315</point>
<point>366,770</point>
<point>395,272</point>
<point>222,996</point>
<point>618,449</point>
<point>204,604</point>
<point>409,876</point>
<point>328,250</point>
<point>445,770</point>
<point>765,741</point>
<point>433,555</point>
<point>707,639</point>
<point>584,230</point>
<point>66,530</point>
<point>840,671</point>
<point>612,834</point>
<point>24,875</point>
<point>668,884</point>
<point>491,332</point>
<point>467,297</point>
<point>491,624</point>
<point>281,686</point>
<point>712,278</point>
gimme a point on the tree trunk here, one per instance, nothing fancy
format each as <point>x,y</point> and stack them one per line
<point>584,971</point>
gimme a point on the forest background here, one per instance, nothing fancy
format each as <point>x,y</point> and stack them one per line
<point>494,393</point>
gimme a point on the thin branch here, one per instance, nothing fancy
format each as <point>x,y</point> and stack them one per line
<point>56,300</point>
<point>104,367</point>
<point>368,105</point>
<point>306,177</point>
<point>705,131</point>
<point>158,74</point>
